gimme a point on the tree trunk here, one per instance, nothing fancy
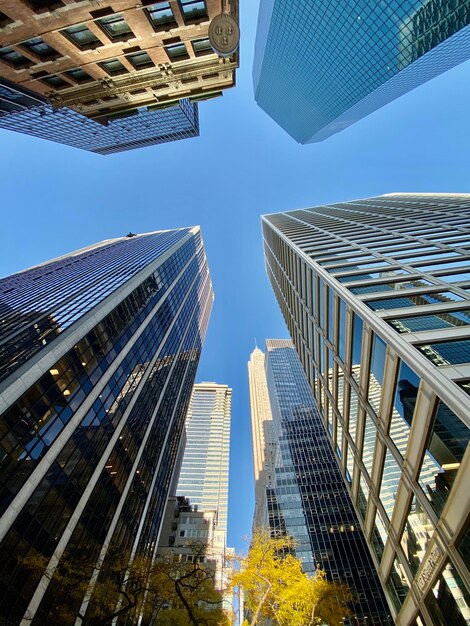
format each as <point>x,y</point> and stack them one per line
<point>260,605</point>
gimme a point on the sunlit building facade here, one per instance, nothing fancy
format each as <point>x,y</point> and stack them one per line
<point>121,71</point>
<point>99,352</point>
<point>321,66</point>
<point>307,498</point>
<point>205,468</point>
<point>375,294</point>
<point>264,442</point>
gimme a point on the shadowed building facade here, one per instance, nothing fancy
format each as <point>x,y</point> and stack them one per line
<point>99,350</point>
<point>111,70</point>
<point>321,66</point>
<point>306,497</point>
<point>376,296</point>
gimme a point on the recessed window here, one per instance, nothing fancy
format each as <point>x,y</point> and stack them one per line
<point>161,16</point>
<point>14,58</point>
<point>115,26</point>
<point>177,51</point>
<point>113,67</point>
<point>5,20</point>
<point>202,47</point>
<point>79,75</point>
<point>81,36</point>
<point>140,59</point>
<point>39,47</point>
<point>55,81</point>
<point>193,9</point>
<point>45,5</point>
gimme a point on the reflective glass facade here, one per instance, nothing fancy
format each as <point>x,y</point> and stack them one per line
<point>143,128</point>
<point>321,66</point>
<point>375,294</point>
<point>100,350</point>
<point>307,497</point>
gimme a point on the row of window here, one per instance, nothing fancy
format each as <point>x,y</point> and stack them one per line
<point>139,59</point>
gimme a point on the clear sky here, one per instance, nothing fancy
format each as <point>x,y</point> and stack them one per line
<point>56,199</point>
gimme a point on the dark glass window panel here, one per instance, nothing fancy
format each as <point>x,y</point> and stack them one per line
<point>193,9</point>
<point>45,4</point>
<point>420,323</point>
<point>397,585</point>
<point>321,313</point>
<point>357,347</point>
<point>115,26</point>
<point>38,46</point>
<point>447,352</point>
<point>12,57</point>
<point>342,329</point>
<point>420,300</point>
<point>79,75</point>
<point>56,81</point>
<point>176,51</point>
<point>113,66</point>
<point>445,450</point>
<point>449,601</point>
<point>82,36</point>
<point>464,548</point>
<point>377,365</point>
<point>201,47</point>
<point>140,59</point>
<point>161,15</point>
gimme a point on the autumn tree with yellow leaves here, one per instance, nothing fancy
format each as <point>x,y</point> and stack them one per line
<point>276,588</point>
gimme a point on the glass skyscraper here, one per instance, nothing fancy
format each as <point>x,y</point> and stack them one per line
<point>205,467</point>
<point>321,66</point>
<point>143,128</point>
<point>99,350</point>
<point>306,497</point>
<point>376,296</point>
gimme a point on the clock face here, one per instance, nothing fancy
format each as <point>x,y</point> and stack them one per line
<point>224,34</point>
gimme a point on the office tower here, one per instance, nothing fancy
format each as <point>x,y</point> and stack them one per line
<point>262,435</point>
<point>307,498</point>
<point>321,66</point>
<point>204,471</point>
<point>111,70</point>
<point>99,351</point>
<point>375,294</point>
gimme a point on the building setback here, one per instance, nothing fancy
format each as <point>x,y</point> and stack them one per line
<point>321,66</point>
<point>120,75</point>
<point>375,294</point>
<point>307,498</point>
<point>99,349</point>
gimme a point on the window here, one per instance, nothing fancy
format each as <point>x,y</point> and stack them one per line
<point>113,67</point>
<point>45,5</point>
<point>39,47</point>
<point>193,9</point>
<point>140,59</point>
<point>177,51</point>
<point>79,75</point>
<point>115,27</point>
<point>5,20</point>
<point>161,16</point>
<point>14,58</point>
<point>202,47</point>
<point>81,36</point>
<point>55,81</point>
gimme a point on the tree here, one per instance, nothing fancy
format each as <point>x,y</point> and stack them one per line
<point>168,590</point>
<point>275,586</point>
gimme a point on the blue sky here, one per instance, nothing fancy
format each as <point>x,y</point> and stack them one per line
<point>56,199</point>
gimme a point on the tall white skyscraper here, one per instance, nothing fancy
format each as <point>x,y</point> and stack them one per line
<point>264,443</point>
<point>204,471</point>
